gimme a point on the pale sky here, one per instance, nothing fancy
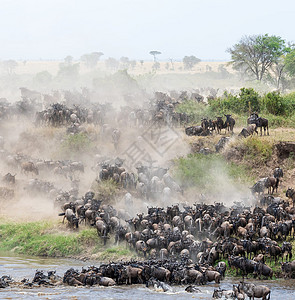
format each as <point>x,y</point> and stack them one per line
<point>53,29</point>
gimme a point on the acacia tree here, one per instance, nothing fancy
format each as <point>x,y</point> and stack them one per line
<point>91,59</point>
<point>256,54</point>
<point>190,61</point>
<point>154,54</point>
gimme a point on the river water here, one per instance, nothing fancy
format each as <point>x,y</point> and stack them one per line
<point>19,267</point>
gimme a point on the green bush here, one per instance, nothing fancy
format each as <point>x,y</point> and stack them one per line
<point>74,145</point>
<point>195,110</point>
<point>248,100</point>
<point>274,103</point>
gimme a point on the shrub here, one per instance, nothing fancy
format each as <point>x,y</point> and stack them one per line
<point>274,103</point>
<point>74,145</point>
<point>248,100</point>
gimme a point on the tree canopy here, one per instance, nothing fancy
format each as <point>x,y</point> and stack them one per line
<point>190,61</point>
<point>256,54</point>
<point>154,53</point>
<point>290,62</point>
<point>91,59</point>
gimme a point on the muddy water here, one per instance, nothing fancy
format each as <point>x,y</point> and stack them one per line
<point>19,267</point>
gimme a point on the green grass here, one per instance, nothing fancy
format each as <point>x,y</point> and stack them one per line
<point>205,171</point>
<point>32,238</point>
<point>74,145</point>
<point>50,239</point>
<point>257,149</point>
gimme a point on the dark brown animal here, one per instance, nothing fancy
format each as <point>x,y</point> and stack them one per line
<point>29,167</point>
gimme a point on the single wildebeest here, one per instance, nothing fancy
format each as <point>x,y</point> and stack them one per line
<point>278,173</point>
<point>262,122</point>
<point>255,291</point>
<point>160,273</point>
<point>9,178</point>
<point>271,184</point>
<point>220,124</point>
<point>29,167</point>
<point>230,123</point>
<point>196,130</point>
<point>259,186</point>
<point>288,268</point>
<point>212,276</point>
<point>141,246</point>
<point>264,270</point>
<point>290,193</point>
<point>130,273</point>
<point>71,218</point>
<point>102,230</point>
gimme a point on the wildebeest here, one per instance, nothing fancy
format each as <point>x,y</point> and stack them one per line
<point>230,123</point>
<point>102,230</point>
<point>8,178</point>
<point>259,186</point>
<point>271,184</point>
<point>71,218</point>
<point>212,276</point>
<point>29,167</point>
<point>290,193</point>
<point>288,268</point>
<point>255,291</point>
<point>141,246</point>
<point>259,121</point>
<point>116,137</point>
<point>278,173</point>
<point>220,124</point>
<point>262,122</point>
<point>264,270</point>
<point>196,130</point>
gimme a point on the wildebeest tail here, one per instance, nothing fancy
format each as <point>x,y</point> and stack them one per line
<point>268,296</point>
<point>62,214</point>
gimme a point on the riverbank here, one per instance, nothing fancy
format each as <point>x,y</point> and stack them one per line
<point>53,239</point>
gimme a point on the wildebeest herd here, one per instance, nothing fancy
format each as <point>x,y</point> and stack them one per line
<point>209,126</point>
<point>180,243</point>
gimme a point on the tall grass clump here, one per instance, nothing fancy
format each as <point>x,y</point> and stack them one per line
<point>74,145</point>
<point>257,149</point>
